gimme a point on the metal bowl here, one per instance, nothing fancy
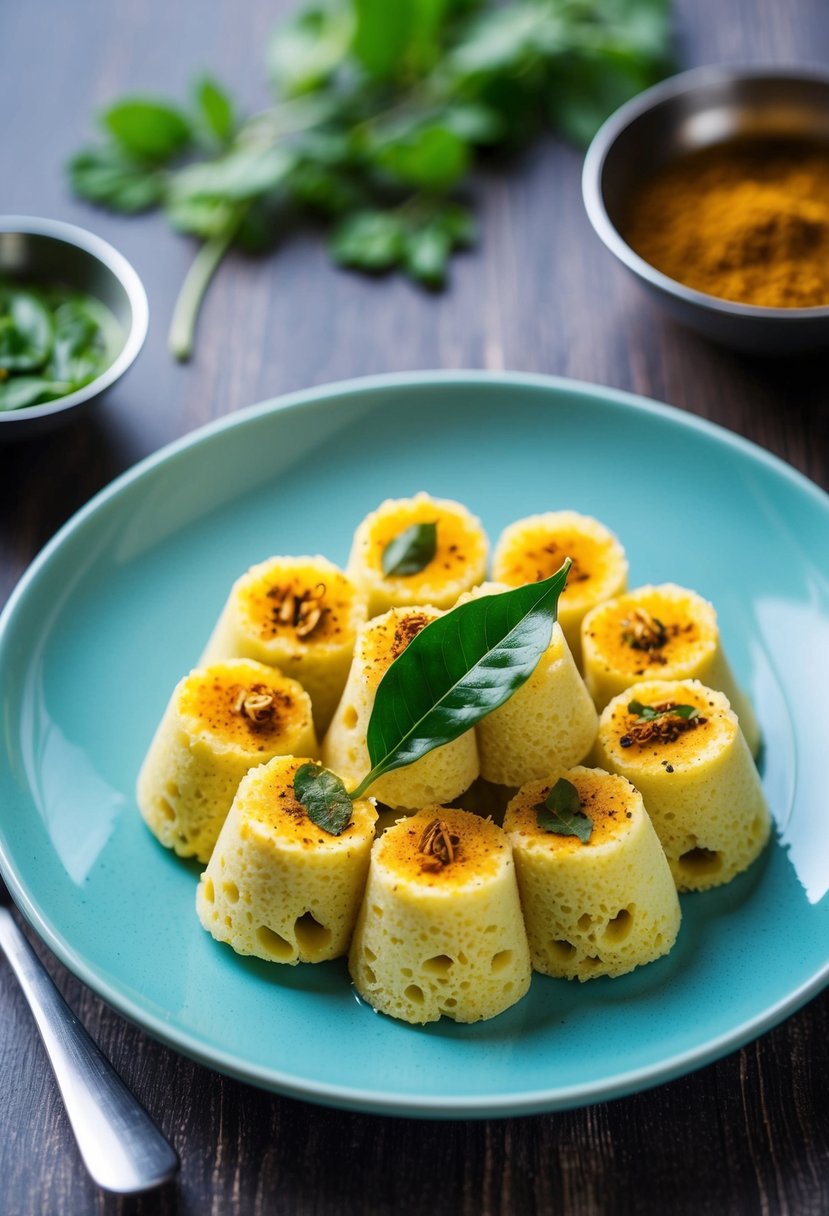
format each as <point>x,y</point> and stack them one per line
<point>688,112</point>
<point>53,252</point>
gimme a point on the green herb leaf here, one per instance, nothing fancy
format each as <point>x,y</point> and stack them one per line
<point>25,331</point>
<point>427,254</point>
<point>410,551</point>
<point>561,812</point>
<point>106,177</point>
<point>215,109</point>
<point>304,51</point>
<point>646,713</point>
<point>324,798</point>
<point>20,391</point>
<point>242,174</point>
<point>369,240</point>
<point>431,158</point>
<point>148,130</point>
<point>458,669</point>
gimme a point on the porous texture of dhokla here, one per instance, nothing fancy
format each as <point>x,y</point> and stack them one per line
<point>220,721</point>
<point>696,775</point>
<point>549,723</point>
<point>534,548</point>
<point>596,908</point>
<point>440,929</point>
<point>459,561</point>
<point>659,633</point>
<point>300,615</point>
<point>439,776</point>
<point>277,886</point>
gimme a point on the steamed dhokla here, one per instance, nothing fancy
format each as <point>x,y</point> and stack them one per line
<point>442,774</point>
<point>431,568</point>
<point>601,907</point>
<point>532,549</point>
<point>680,744</point>
<point>549,723</point>
<point>440,928</point>
<point>298,614</point>
<point>220,721</point>
<point>277,886</point>
<point>659,633</point>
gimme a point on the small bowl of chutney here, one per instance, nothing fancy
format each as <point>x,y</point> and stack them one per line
<point>712,188</point>
<point>73,317</point>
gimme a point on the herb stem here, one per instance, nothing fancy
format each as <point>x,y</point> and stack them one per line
<point>196,282</point>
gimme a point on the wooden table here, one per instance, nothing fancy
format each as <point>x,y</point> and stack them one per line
<point>747,1134</point>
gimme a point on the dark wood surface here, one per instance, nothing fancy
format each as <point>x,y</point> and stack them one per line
<point>747,1134</point>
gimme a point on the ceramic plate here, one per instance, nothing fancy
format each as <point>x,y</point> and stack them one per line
<point>118,606</point>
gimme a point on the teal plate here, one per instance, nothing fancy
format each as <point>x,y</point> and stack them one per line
<point>119,604</point>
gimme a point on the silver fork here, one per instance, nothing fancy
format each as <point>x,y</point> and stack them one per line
<point>121,1146</point>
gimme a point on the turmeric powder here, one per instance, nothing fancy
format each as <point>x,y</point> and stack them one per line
<point>746,221</point>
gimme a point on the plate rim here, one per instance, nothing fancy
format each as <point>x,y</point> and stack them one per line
<point>349,1097</point>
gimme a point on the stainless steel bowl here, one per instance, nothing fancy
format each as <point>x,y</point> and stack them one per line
<point>54,252</point>
<point>695,110</point>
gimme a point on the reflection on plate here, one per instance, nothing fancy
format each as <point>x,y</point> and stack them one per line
<point>118,606</point>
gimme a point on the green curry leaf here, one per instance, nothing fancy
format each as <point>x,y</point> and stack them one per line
<point>459,668</point>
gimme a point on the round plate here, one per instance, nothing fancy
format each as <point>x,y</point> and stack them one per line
<point>118,606</point>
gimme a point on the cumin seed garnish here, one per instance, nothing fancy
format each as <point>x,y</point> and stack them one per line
<point>641,631</point>
<point>257,704</point>
<point>302,610</point>
<point>660,723</point>
<point>438,842</point>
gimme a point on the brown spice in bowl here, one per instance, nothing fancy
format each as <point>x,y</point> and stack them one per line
<point>746,220</point>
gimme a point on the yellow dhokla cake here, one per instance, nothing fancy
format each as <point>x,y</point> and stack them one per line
<point>440,775</point>
<point>549,723</point>
<point>440,928</point>
<point>298,614</point>
<point>596,908</point>
<point>659,633</point>
<point>277,886</point>
<point>534,548</point>
<point>458,563</point>
<point>220,721</point>
<point>695,773</point>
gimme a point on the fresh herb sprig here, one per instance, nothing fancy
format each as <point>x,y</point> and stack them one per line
<point>458,669</point>
<point>647,713</point>
<point>561,812</point>
<point>380,111</point>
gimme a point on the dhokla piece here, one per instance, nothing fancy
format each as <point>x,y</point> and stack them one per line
<point>549,723</point>
<point>532,549</point>
<point>596,908</point>
<point>659,633</point>
<point>696,775</point>
<point>458,563</point>
<point>220,721</point>
<point>277,886</point>
<point>298,614</point>
<point>440,928</point>
<point>439,776</point>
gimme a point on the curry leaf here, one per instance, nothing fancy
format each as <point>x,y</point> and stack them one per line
<point>25,331</point>
<point>148,129</point>
<point>106,176</point>
<point>561,812</point>
<point>369,240</point>
<point>215,109</point>
<point>410,551</point>
<point>459,668</point>
<point>324,798</point>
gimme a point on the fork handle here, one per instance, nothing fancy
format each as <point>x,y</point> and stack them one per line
<point>121,1146</point>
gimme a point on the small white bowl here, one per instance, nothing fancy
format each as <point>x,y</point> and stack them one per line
<point>50,251</point>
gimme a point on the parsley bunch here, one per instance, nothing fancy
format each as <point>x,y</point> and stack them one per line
<point>380,110</point>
